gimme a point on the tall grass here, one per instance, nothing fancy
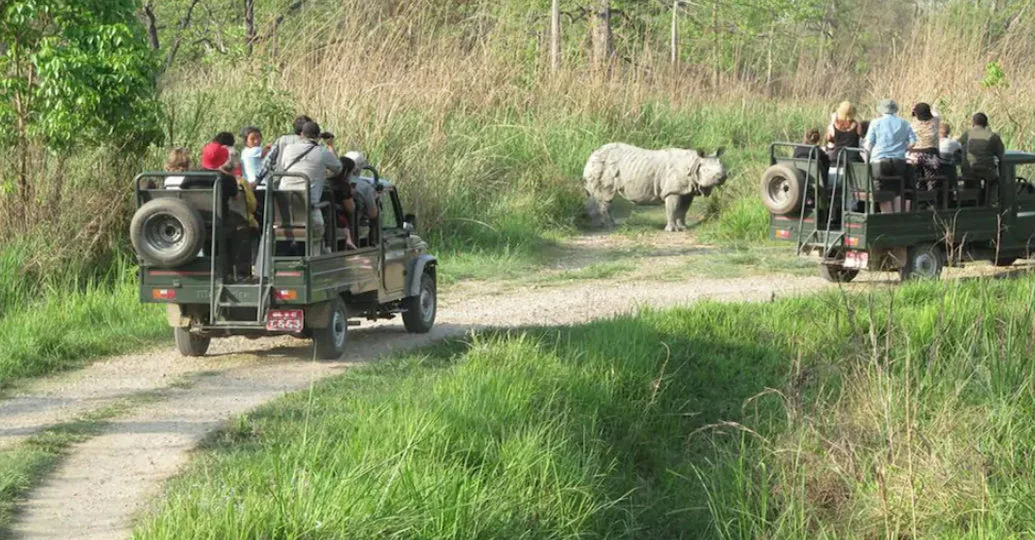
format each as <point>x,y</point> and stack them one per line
<point>57,324</point>
<point>898,414</point>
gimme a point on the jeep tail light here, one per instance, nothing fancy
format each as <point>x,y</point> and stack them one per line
<point>851,241</point>
<point>783,233</point>
<point>163,294</point>
<point>286,294</point>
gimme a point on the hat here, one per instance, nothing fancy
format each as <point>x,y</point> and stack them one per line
<point>887,106</point>
<point>359,159</point>
<point>214,156</point>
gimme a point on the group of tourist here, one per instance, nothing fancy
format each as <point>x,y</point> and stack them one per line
<point>244,175</point>
<point>913,151</point>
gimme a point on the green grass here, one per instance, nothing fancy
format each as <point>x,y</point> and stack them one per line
<point>66,328</point>
<point>900,413</point>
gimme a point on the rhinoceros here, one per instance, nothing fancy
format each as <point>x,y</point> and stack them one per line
<point>673,175</point>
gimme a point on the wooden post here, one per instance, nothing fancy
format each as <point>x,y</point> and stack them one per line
<point>555,36</point>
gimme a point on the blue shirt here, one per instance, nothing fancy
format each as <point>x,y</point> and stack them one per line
<point>889,137</point>
<point>251,163</point>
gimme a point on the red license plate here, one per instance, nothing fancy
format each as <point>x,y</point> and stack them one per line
<point>285,320</point>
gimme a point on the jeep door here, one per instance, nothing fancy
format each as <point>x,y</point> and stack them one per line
<point>394,240</point>
<point>1021,220</point>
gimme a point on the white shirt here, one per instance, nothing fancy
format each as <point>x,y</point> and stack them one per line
<point>949,149</point>
<point>174,182</point>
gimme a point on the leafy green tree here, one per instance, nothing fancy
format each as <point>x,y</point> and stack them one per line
<point>74,72</point>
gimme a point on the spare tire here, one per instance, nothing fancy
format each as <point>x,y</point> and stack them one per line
<point>167,233</point>
<point>783,188</point>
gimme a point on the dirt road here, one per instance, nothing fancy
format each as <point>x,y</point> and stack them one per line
<point>105,481</point>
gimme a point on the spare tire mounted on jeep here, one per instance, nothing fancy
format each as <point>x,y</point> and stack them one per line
<point>167,232</point>
<point>783,188</point>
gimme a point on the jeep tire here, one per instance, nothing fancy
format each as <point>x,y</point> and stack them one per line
<point>922,262</point>
<point>167,233</point>
<point>783,189</point>
<point>836,273</point>
<point>420,312</point>
<point>330,341</point>
<point>190,344</point>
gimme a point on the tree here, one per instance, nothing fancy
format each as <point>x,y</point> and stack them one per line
<point>555,35</point>
<point>603,38</point>
<point>74,71</point>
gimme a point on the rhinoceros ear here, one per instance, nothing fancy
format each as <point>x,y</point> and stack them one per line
<point>718,153</point>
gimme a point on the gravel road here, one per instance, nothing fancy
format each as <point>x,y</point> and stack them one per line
<point>105,481</point>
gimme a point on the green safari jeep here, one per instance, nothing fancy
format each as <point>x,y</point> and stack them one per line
<point>834,215</point>
<point>188,244</point>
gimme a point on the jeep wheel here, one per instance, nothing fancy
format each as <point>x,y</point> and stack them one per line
<point>330,342</point>
<point>190,344</point>
<point>783,189</point>
<point>167,233</point>
<point>837,273</point>
<point>419,316</point>
<point>922,262</point>
<point>1005,261</point>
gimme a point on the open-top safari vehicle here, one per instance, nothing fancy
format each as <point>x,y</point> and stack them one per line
<point>302,285</point>
<point>836,219</point>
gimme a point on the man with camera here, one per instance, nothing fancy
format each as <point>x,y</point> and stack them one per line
<point>309,157</point>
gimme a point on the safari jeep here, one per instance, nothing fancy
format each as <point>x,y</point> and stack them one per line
<point>835,218</point>
<point>185,241</point>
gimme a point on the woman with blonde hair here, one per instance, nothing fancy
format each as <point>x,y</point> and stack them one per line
<point>844,131</point>
<point>178,161</point>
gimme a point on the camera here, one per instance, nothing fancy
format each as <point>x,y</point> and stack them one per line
<point>327,136</point>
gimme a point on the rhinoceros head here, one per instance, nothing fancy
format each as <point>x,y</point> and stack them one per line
<point>711,173</point>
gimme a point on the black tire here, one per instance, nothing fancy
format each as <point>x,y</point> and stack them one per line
<point>922,262</point>
<point>191,344</point>
<point>1005,261</point>
<point>167,233</point>
<point>783,189</point>
<point>419,316</point>
<point>330,342</point>
<point>837,273</point>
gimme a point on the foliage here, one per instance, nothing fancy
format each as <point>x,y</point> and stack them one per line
<point>76,72</point>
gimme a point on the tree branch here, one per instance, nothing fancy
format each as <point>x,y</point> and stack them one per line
<point>184,23</point>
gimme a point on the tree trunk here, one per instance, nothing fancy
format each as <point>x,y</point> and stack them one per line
<point>675,33</point>
<point>151,24</point>
<point>769,61</point>
<point>555,36</point>
<point>715,44</point>
<point>603,40</point>
<point>249,26</point>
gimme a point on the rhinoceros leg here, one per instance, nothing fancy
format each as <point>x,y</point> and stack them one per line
<point>681,209</point>
<point>671,211</point>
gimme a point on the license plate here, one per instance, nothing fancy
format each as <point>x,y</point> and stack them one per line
<point>285,320</point>
<point>857,260</point>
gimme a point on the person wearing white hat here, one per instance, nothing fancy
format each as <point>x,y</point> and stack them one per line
<point>888,139</point>
<point>366,195</point>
